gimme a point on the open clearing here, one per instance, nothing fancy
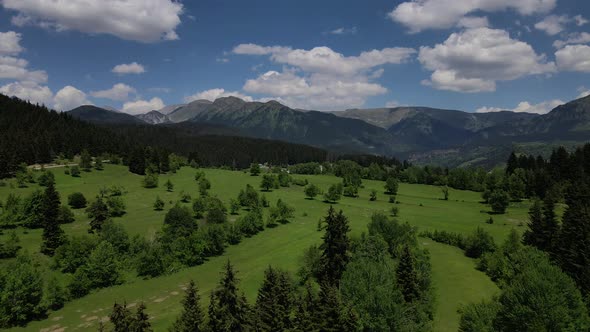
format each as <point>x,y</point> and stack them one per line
<point>455,279</point>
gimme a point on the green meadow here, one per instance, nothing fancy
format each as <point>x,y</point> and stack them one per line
<point>456,280</point>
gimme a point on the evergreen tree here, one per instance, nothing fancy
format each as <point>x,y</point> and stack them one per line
<point>229,309</point>
<point>169,186</point>
<point>407,276</point>
<point>121,318</point>
<point>335,247</point>
<point>191,318</point>
<point>141,323</point>
<point>159,204</point>
<point>573,251</point>
<point>98,211</point>
<point>306,314</point>
<point>511,164</point>
<point>85,161</point>
<point>535,234</point>
<point>550,225</point>
<point>332,314</point>
<point>53,235</point>
<point>274,301</point>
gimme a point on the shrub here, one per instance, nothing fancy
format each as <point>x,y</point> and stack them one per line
<point>75,171</point>
<point>150,180</point>
<point>479,243</point>
<point>77,200</point>
<point>116,206</point>
<point>159,204</point>
<point>65,215</point>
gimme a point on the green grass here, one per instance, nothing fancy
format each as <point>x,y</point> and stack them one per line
<point>282,246</point>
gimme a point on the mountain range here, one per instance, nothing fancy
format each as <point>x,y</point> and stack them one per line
<point>419,134</point>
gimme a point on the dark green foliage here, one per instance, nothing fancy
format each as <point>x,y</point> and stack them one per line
<point>450,238</point>
<point>251,223</point>
<point>275,301</point>
<point>254,169</point>
<point>479,243</point>
<point>185,197</point>
<point>77,200</point>
<point>445,192</point>
<point>21,292</point>
<point>391,185</point>
<point>169,186</point>
<point>85,160</point>
<point>306,314</point>
<point>350,191</point>
<point>335,248</point>
<point>33,210</point>
<point>373,196</point>
<point>234,206</point>
<point>478,317</point>
<point>215,240</point>
<point>310,264</point>
<point>121,318</point>
<point>334,193</point>
<point>74,253</point>
<point>228,310</point>
<point>179,223</point>
<point>65,215</point>
<point>10,247</point>
<point>191,318</point>
<point>333,315</point>
<point>284,179</point>
<point>116,235</point>
<point>204,186</point>
<point>543,227</point>
<point>159,204</point>
<point>249,197</point>
<point>140,323</point>
<point>55,295</point>
<point>53,235</point>
<point>116,206</point>
<point>268,182</point>
<point>395,234</point>
<point>282,212</point>
<point>499,201</point>
<point>407,277</point>
<point>216,211</point>
<point>150,180</point>
<point>98,212</point>
<point>199,206</point>
<point>45,178</point>
<point>517,185</point>
<point>98,163</point>
<point>102,267</point>
<point>311,191</point>
<point>75,171</point>
<point>152,261</point>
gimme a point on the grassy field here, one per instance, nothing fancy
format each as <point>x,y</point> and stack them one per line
<point>455,278</point>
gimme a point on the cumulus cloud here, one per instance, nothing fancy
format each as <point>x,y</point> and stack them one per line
<point>573,38</point>
<point>119,92</point>
<point>473,22</point>
<point>419,15</point>
<point>554,24</point>
<point>10,43</point>
<point>16,68</point>
<point>143,106</point>
<point>69,98</point>
<point>213,94</point>
<point>138,20</point>
<point>321,78</point>
<point>580,20</point>
<point>584,92</point>
<point>474,59</point>
<point>30,91</point>
<point>574,58</point>
<point>526,107</point>
<point>128,68</point>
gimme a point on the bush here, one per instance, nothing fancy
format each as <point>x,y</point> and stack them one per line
<point>216,211</point>
<point>159,204</point>
<point>77,200</point>
<point>334,193</point>
<point>45,178</point>
<point>75,171</point>
<point>65,215</point>
<point>479,243</point>
<point>499,201</point>
<point>150,180</point>
<point>351,191</point>
<point>185,197</point>
<point>116,206</point>
<point>450,238</point>
<point>373,196</point>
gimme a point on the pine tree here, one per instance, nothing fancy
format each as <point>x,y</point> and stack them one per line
<point>306,314</point>
<point>141,321</point>
<point>229,309</point>
<point>99,212</point>
<point>332,315</point>
<point>335,248</point>
<point>53,235</point>
<point>407,277</point>
<point>274,301</point>
<point>534,235</point>
<point>573,250</point>
<point>121,318</point>
<point>550,225</point>
<point>191,318</point>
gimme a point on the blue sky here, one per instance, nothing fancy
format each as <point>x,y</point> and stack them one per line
<point>138,55</point>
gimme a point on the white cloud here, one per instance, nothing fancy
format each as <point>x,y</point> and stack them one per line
<point>213,94</point>
<point>419,15</point>
<point>580,20</point>
<point>143,106</point>
<point>30,91</point>
<point>139,20</point>
<point>128,68</point>
<point>321,78</point>
<point>69,98</point>
<point>473,22</point>
<point>392,104</point>
<point>343,31</point>
<point>10,43</point>
<point>526,107</point>
<point>574,58</point>
<point>474,59</point>
<point>553,24</point>
<point>119,92</point>
<point>16,68</point>
<point>573,38</point>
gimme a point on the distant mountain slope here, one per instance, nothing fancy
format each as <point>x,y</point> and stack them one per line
<point>154,117</point>
<point>99,115</point>
<point>188,111</point>
<point>272,120</point>
<point>170,108</point>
